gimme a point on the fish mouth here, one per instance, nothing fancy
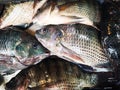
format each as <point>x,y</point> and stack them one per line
<point>40,40</point>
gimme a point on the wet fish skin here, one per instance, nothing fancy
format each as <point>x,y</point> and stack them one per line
<point>82,8</point>
<point>75,42</point>
<point>19,13</point>
<point>53,73</point>
<point>84,12</point>
<point>18,49</point>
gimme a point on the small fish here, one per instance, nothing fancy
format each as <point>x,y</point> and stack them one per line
<point>18,50</point>
<point>19,13</point>
<point>84,11</point>
<point>77,43</point>
<point>53,73</point>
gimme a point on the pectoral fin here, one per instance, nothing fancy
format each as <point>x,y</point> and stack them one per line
<point>73,56</point>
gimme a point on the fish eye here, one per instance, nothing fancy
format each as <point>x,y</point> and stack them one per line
<point>35,45</point>
<point>43,31</point>
<point>59,34</point>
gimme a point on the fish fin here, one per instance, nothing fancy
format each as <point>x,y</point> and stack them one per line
<point>94,69</point>
<point>103,67</point>
<point>42,9</point>
<point>81,20</point>
<point>8,72</point>
<point>24,26</point>
<point>86,68</point>
<point>65,6</point>
<point>53,5</point>
<point>97,69</point>
<point>34,27</point>
<point>71,54</point>
<point>34,4</point>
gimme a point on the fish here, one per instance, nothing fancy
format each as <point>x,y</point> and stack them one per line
<point>52,73</point>
<point>19,13</point>
<point>18,50</point>
<point>77,43</point>
<point>71,11</point>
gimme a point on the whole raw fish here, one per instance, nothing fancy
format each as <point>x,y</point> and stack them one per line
<point>80,11</point>
<point>19,13</point>
<point>52,73</point>
<point>75,42</point>
<point>18,50</point>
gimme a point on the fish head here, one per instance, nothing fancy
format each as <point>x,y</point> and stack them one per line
<point>30,50</point>
<point>49,36</point>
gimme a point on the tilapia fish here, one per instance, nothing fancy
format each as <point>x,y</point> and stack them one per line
<point>19,13</point>
<point>81,11</point>
<point>18,49</point>
<point>52,73</point>
<point>77,43</point>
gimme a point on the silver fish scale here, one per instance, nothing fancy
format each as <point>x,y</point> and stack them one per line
<point>84,41</point>
<point>84,8</point>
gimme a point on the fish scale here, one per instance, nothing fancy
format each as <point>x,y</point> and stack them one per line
<point>7,42</point>
<point>77,43</point>
<point>19,13</point>
<point>53,73</point>
<point>70,11</point>
<point>88,40</point>
<point>82,8</point>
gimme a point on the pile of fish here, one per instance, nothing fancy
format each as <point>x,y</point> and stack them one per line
<point>60,44</point>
